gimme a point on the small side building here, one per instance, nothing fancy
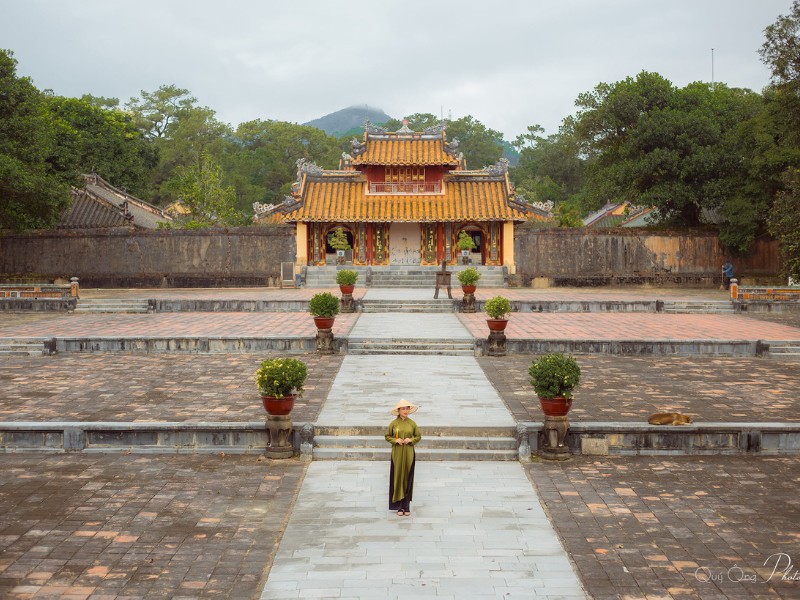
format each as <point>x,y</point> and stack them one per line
<point>99,205</point>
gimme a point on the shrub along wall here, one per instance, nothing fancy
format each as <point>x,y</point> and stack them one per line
<point>630,256</point>
<point>170,258</point>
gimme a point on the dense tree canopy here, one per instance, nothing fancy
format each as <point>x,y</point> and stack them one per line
<point>781,53</point>
<point>701,155</point>
<point>31,193</point>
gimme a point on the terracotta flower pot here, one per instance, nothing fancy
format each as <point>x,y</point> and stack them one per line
<point>278,406</point>
<point>324,322</point>
<point>497,324</point>
<point>347,289</point>
<point>469,289</point>
<point>555,407</point>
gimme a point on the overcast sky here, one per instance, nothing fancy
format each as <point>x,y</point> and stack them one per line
<point>508,63</point>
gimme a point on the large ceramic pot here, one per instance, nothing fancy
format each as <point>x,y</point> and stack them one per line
<point>324,322</point>
<point>469,289</point>
<point>555,407</point>
<point>278,406</point>
<point>347,289</point>
<point>497,324</point>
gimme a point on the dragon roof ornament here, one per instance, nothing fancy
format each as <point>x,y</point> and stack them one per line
<point>373,129</point>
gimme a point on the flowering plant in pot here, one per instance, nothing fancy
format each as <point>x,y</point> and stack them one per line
<point>346,279</point>
<point>324,307</point>
<point>554,377</point>
<point>497,308</point>
<point>280,381</point>
<point>468,278</point>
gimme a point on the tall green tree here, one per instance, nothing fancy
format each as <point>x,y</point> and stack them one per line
<point>481,145</point>
<point>549,168</point>
<point>32,195</point>
<point>260,159</point>
<point>200,189</point>
<point>89,137</point>
<point>784,222</point>
<point>689,152</point>
<point>156,112</point>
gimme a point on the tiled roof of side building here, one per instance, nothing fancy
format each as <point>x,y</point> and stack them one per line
<point>89,212</point>
<point>144,215</point>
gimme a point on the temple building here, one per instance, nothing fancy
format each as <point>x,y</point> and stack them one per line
<point>403,198</point>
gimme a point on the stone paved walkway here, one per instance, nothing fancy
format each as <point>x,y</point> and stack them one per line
<point>132,526</point>
<point>450,390</point>
<point>81,526</point>
<point>477,531</point>
<point>680,527</point>
<point>167,387</point>
<point>633,326</point>
<point>631,388</point>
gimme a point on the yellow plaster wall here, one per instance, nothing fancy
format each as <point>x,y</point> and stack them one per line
<point>301,256</point>
<point>508,247</point>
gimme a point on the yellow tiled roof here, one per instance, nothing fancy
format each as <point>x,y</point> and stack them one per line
<point>346,200</point>
<point>405,151</point>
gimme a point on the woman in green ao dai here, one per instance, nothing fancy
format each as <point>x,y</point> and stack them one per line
<point>403,434</point>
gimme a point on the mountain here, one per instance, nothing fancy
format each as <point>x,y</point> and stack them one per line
<point>342,121</point>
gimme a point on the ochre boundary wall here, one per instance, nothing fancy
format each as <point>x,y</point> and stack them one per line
<point>252,255</point>
<point>238,256</point>
<point>594,257</point>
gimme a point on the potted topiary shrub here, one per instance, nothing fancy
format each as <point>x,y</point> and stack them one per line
<point>338,241</point>
<point>468,278</point>
<point>554,377</point>
<point>465,243</point>
<point>346,279</point>
<point>323,307</point>
<point>497,308</point>
<point>280,381</point>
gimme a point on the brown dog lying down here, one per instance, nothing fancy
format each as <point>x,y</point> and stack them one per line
<point>669,419</point>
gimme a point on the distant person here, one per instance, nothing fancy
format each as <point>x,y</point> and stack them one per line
<point>727,274</point>
<point>402,434</point>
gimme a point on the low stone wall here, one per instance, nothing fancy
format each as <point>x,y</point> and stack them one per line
<point>585,257</point>
<point>166,258</point>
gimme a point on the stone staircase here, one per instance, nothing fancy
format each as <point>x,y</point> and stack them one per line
<point>699,307</point>
<point>438,443</point>
<point>441,347</point>
<point>439,305</point>
<point>22,347</point>
<point>785,349</point>
<point>401,276</point>
<point>121,305</point>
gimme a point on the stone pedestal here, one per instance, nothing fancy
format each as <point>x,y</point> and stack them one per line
<point>325,341</point>
<point>280,435</point>
<point>468,304</point>
<point>555,438</point>
<point>497,343</point>
<point>347,304</point>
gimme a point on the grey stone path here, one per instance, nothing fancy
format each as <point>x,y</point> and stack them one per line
<point>450,390</point>
<point>477,531</point>
<point>409,325</point>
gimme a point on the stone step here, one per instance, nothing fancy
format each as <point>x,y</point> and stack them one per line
<point>368,446</point>
<point>423,454</point>
<point>412,346</point>
<point>22,347</point>
<point>710,307</point>
<point>402,308</point>
<point>112,306</point>
<point>428,442</point>
<point>785,349</point>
